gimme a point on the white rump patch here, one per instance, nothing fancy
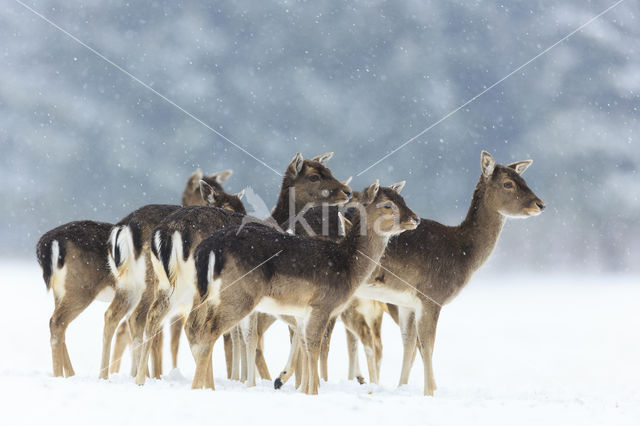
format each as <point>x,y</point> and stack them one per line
<point>58,275</point>
<point>175,257</point>
<point>213,285</point>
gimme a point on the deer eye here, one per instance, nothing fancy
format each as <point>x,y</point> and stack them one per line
<point>387,205</point>
<point>314,178</point>
<point>508,185</point>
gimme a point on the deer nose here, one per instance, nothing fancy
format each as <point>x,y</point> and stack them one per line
<point>347,193</point>
<point>413,221</point>
<point>541,205</point>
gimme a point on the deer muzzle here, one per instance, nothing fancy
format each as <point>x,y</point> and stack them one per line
<point>536,207</point>
<point>412,223</point>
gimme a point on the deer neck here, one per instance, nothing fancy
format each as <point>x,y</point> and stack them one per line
<point>287,207</point>
<point>366,248</point>
<point>481,228</point>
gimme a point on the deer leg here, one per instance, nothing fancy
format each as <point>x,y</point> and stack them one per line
<point>155,316</point>
<point>228,353</point>
<point>63,313</point>
<point>324,350</point>
<point>156,353</point>
<point>366,337</point>
<point>199,337</point>
<point>137,321</point>
<point>294,354</point>
<point>377,344</point>
<point>236,358</point>
<point>112,317</point>
<point>219,319</point>
<point>57,346</point>
<point>261,363</point>
<point>209,379</point>
<point>264,322</point>
<point>177,323</point>
<point>68,368</point>
<point>358,325</point>
<point>314,332</point>
<point>299,359</point>
<point>243,357</point>
<point>427,322</point>
<point>408,330</point>
<point>392,310</point>
<point>302,366</point>
<point>123,339</point>
<point>202,353</point>
<point>354,363</point>
<point>249,333</point>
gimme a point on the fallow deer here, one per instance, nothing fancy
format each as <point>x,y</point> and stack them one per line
<point>362,317</point>
<point>239,270</point>
<point>72,258</point>
<point>130,266</point>
<point>426,268</point>
<point>305,183</point>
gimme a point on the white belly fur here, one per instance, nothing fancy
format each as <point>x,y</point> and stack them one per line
<point>387,295</point>
<point>271,306</point>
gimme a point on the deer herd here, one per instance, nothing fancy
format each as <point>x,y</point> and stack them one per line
<point>326,252</point>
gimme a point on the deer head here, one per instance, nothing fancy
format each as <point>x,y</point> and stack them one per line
<point>191,195</point>
<point>212,196</point>
<point>506,192</point>
<point>313,182</point>
<point>387,214</point>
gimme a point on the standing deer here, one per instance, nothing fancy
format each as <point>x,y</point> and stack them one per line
<point>305,183</point>
<point>72,258</point>
<point>426,268</point>
<point>131,268</point>
<point>313,279</point>
<point>362,317</point>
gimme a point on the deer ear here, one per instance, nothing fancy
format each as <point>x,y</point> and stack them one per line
<point>487,164</point>
<point>207,192</point>
<point>347,181</point>
<point>370,193</point>
<point>240,194</point>
<point>221,177</point>
<point>295,167</point>
<point>324,158</point>
<point>520,166</point>
<point>195,178</point>
<point>344,225</point>
<point>398,186</point>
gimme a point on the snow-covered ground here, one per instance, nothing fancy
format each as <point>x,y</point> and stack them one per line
<point>538,350</point>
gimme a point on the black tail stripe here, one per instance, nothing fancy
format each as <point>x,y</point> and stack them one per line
<point>62,253</point>
<point>43,252</point>
<point>117,256</point>
<point>136,235</point>
<point>202,267</point>
<point>186,244</point>
<point>165,249</point>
